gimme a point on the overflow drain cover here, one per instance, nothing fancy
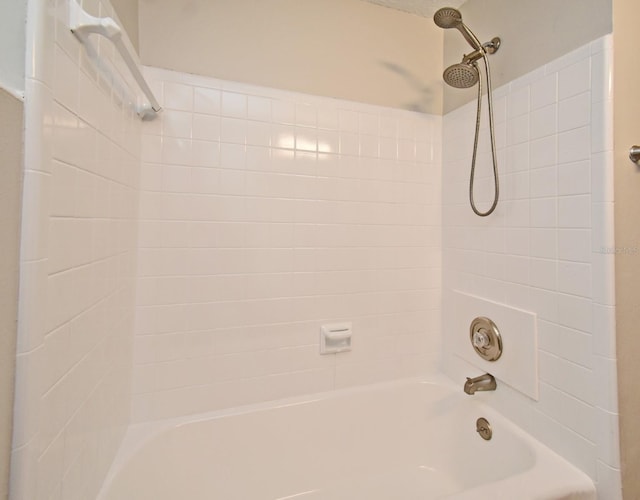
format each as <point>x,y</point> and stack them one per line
<point>483,427</point>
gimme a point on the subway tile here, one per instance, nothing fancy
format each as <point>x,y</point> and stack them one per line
<point>574,145</point>
<point>575,112</point>
<point>348,121</point>
<point>574,245</point>
<point>283,112</point>
<point>544,91</point>
<point>566,343</point>
<point>206,127</point>
<point>306,115</point>
<point>601,76</point>
<point>544,274</point>
<point>568,377</point>
<point>205,153</point>
<point>258,133</point>
<point>328,118</point>
<point>543,182</point>
<point>608,482</point>
<point>518,102</point>
<point>518,158</point>
<point>574,211</point>
<point>608,437</point>
<point>176,124</point>
<point>349,144</point>
<point>602,232</point>
<point>544,121</point>
<point>306,139</point>
<point>259,108</point>
<point>328,141</point>
<point>604,324</point>
<point>388,126</point>
<point>206,101</point>
<point>574,278</point>
<point>370,124</point>
<point>602,126</point>
<point>575,312</point>
<point>234,104</point>
<point>518,130</point>
<point>569,411</point>
<point>35,216</point>
<point>517,186</point>
<point>603,274</point>
<point>606,379</point>
<point>176,151</point>
<point>65,80</point>
<point>233,130</point>
<point>574,79</point>
<point>543,152</point>
<point>178,96</point>
<point>544,243</point>
<point>544,213</point>
<point>574,178</point>
<point>388,148</point>
<point>151,148</point>
<point>602,177</point>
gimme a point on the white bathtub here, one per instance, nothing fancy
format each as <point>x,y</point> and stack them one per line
<point>397,441</point>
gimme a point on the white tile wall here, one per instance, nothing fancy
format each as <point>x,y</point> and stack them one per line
<point>547,249</point>
<point>264,214</point>
<point>82,143</point>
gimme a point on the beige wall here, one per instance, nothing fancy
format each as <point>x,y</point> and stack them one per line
<point>10,190</point>
<point>627,232</point>
<point>347,49</point>
<point>127,11</point>
<point>533,32</point>
<point>13,14</point>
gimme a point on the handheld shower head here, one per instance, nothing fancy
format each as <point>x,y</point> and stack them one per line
<point>462,75</point>
<point>448,17</point>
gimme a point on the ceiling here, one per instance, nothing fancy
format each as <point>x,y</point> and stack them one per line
<point>425,8</point>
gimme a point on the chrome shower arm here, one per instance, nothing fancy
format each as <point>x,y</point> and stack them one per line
<point>487,48</point>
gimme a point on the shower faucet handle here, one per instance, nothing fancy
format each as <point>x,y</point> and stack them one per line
<point>481,339</point>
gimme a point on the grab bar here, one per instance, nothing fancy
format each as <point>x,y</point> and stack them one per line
<point>83,24</point>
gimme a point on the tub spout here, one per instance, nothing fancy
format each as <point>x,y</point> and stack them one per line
<point>484,382</point>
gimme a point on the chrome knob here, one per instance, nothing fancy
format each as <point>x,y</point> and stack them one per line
<point>634,154</point>
<point>481,339</point>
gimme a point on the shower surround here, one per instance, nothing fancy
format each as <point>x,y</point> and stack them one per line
<point>258,215</point>
<point>77,263</point>
<point>265,214</point>
<point>548,249</point>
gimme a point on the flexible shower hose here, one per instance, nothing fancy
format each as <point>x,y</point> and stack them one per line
<point>493,144</point>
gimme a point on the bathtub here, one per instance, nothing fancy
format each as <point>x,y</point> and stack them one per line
<point>405,440</point>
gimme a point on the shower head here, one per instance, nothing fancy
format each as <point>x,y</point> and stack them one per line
<point>448,17</point>
<point>462,75</point>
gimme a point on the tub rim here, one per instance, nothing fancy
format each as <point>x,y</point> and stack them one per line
<point>139,434</point>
